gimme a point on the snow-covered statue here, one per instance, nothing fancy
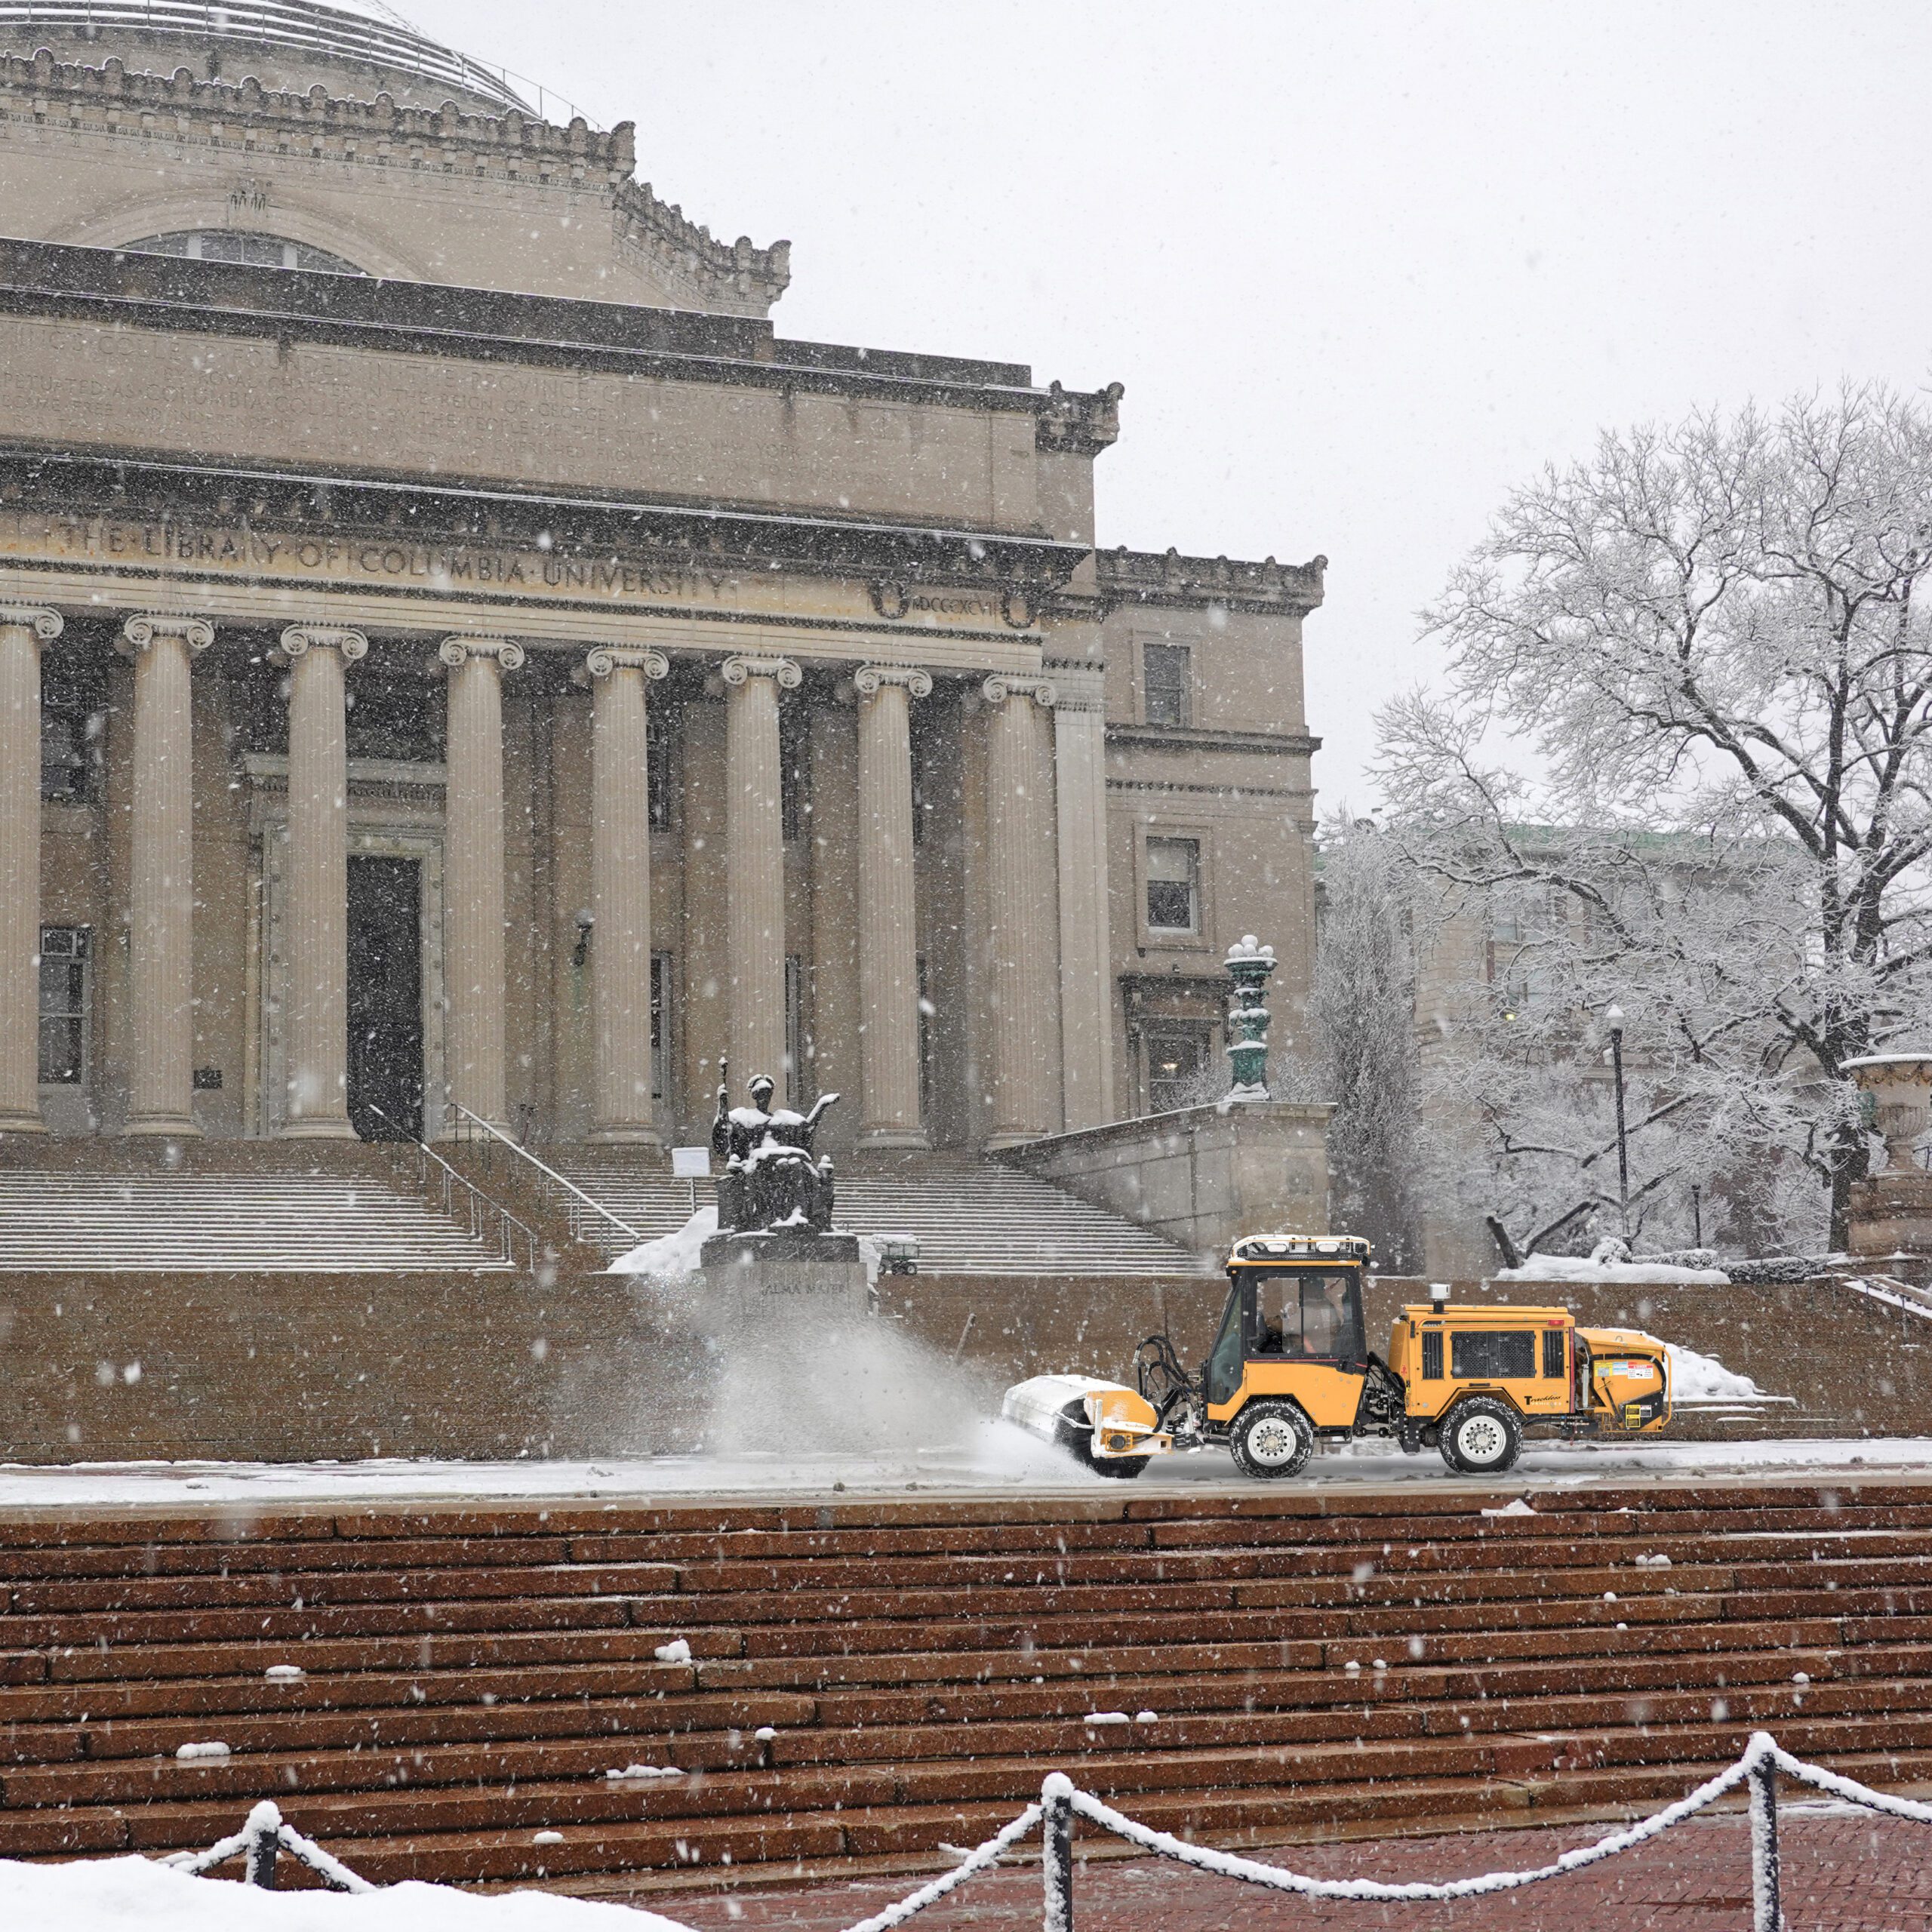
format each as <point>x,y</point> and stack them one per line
<point>771,1178</point>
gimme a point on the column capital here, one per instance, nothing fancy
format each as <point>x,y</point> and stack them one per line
<point>299,639</point>
<point>457,651</point>
<point>781,670</point>
<point>868,679</point>
<point>605,660</point>
<point>46,624</point>
<point>997,690</point>
<point>139,634</point>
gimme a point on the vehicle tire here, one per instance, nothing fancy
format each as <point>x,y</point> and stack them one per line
<point>1482,1437</point>
<point>1271,1440</point>
<point>1077,1436</point>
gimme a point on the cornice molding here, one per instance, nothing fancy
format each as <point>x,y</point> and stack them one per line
<point>688,533</point>
<point>1168,579</point>
<point>1082,422</point>
<point>1188,740</point>
<point>46,625</point>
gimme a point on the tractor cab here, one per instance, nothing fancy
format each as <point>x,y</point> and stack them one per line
<point>1293,1326</point>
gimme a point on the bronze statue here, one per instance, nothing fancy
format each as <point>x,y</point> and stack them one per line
<point>771,1178</point>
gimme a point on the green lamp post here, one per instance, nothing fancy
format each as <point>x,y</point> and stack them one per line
<point>1249,965</point>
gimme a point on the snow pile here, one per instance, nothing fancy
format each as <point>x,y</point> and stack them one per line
<point>1695,1378</point>
<point>671,1255</point>
<point>136,1895</point>
<point>1573,1268</point>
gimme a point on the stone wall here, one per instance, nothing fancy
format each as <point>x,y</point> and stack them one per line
<point>1204,1176</point>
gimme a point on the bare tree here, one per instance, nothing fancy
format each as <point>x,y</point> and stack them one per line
<point>1361,1020</point>
<point>1714,633</point>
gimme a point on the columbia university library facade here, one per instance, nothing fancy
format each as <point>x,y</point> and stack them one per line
<point>457,657</point>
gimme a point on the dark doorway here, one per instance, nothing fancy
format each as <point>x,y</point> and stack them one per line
<point>385,998</point>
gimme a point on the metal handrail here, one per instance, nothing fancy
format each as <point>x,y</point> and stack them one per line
<point>508,1225</point>
<point>551,1177</point>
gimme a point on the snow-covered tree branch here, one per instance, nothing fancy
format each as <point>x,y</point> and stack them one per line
<point>1700,661</point>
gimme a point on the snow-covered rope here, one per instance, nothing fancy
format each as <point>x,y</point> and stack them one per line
<point>1763,1760</point>
<point>264,1834</point>
<point>1849,1788</point>
<point>1279,1879</point>
<point>976,1860</point>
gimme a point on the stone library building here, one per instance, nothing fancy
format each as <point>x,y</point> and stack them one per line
<point>461,661</point>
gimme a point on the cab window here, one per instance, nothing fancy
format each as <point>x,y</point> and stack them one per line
<point>1224,1358</point>
<point>1306,1313</point>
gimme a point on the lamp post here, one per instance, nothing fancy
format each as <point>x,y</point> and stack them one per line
<point>1613,1019</point>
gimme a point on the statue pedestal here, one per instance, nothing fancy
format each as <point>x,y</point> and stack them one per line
<point>803,1276</point>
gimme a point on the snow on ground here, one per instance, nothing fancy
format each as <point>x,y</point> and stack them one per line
<point>997,1458</point>
<point>1575,1268</point>
<point>671,1255</point>
<point>120,1894</point>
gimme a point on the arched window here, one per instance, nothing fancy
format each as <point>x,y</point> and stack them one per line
<point>242,244</point>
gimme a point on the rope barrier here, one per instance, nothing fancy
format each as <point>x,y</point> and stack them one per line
<point>1061,1801</point>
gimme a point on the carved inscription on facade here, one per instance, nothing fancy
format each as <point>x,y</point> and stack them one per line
<point>356,559</point>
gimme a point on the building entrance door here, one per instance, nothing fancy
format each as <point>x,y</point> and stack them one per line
<point>386,997</point>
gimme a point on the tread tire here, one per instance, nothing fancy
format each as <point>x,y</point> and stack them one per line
<point>1492,1415</point>
<point>1257,1432</point>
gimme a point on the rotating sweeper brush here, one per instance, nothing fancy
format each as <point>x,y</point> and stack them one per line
<point>1290,1366</point>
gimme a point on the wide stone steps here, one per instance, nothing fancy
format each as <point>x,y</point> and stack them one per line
<point>876,1681</point>
<point>207,1222</point>
<point>969,1216</point>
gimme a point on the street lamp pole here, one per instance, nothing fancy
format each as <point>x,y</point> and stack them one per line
<point>1613,1019</point>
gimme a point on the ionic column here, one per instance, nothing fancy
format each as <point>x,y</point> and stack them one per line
<point>1086,1002</point>
<point>318,657</point>
<point>1024,1059</point>
<point>754,849</point>
<point>473,875</point>
<point>23,631</point>
<point>888,940</point>
<point>160,899</point>
<point>620,889</point>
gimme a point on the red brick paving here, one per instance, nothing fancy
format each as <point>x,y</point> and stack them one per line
<point>1842,1873</point>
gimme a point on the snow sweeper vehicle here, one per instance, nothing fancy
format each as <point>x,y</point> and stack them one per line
<point>1290,1366</point>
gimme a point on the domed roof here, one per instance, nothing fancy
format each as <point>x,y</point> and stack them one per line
<point>357,50</point>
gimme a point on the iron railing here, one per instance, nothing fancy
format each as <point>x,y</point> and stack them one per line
<point>473,1130</point>
<point>435,1176</point>
<point>1061,1801</point>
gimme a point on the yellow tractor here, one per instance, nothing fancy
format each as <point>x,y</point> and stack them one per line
<point>1290,1366</point>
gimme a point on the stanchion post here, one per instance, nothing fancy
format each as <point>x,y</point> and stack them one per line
<point>1056,1852</point>
<point>264,1841</point>
<point>1766,1915</point>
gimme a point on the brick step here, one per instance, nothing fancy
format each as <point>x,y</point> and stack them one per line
<point>338,1681</point>
<point>77,1578</point>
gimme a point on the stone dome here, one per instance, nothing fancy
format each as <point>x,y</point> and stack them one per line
<point>290,46</point>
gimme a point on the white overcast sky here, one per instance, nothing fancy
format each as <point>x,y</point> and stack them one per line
<point>1361,267</point>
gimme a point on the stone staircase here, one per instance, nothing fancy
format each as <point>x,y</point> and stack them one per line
<point>970,1216</point>
<point>445,1693</point>
<point>205,1218</point>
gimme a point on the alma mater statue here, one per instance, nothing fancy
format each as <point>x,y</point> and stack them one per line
<point>771,1178</point>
